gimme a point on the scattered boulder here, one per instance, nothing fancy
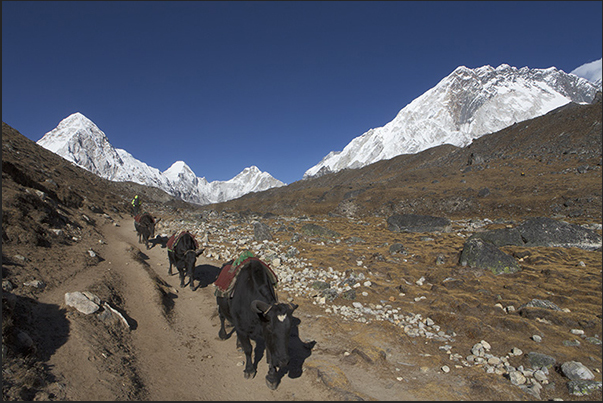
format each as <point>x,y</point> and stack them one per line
<point>539,360</point>
<point>576,371</point>
<point>418,223</point>
<point>540,303</point>
<point>397,248</point>
<point>544,231</point>
<point>485,255</point>
<point>501,237</point>
<point>483,192</point>
<point>583,388</point>
<point>261,231</point>
<point>314,230</point>
<point>39,284</point>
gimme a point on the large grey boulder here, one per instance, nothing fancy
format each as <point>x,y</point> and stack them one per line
<point>501,237</point>
<point>485,255</point>
<point>544,231</point>
<point>418,223</point>
<point>539,360</point>
<point>576,371</point>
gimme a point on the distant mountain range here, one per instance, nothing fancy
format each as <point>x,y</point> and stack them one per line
<point>80,141</point>
<point>463,106</point>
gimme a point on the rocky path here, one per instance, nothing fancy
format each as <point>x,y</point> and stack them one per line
<point>174,356</point>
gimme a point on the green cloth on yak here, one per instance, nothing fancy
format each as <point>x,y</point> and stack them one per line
<point>245,255</point>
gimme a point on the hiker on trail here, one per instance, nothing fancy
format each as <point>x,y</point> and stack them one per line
<point>136,203</point>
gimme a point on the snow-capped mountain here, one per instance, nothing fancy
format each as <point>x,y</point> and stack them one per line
<point>463,106</point>
<point>79,140</point>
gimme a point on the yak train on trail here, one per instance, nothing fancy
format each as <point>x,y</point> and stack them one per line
<point>183,251</point>
<point>145,227</point>
<point>245,294</point>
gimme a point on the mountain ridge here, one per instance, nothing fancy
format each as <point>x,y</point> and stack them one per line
<point>465,105</point>
<point>78,139</point>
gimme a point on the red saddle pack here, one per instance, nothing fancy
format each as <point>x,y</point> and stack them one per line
<point>173,241</point>
<point>138,216</point>
<point>224,284</point>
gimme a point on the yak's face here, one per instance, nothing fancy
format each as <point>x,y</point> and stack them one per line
<point>276,322</point>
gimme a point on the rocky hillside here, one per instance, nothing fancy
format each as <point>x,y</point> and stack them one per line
<point>550,166</point>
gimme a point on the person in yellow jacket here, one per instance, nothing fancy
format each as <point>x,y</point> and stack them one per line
<point>136,203</point>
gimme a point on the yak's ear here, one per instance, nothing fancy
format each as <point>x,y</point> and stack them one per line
<point>293,307</point>
<point>258,306</point>
<point>200,251</point>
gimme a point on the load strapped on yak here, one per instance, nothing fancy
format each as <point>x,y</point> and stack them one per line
<point>173,241</point>
<point>225,283</point>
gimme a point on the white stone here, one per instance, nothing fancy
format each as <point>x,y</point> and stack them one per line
<point>80,302</point>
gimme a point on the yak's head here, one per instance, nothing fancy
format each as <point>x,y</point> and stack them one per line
<point>151,226</point>
<point>276,323</point>
<point>190,259</point>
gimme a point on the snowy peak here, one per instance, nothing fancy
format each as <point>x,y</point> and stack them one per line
<point>465,105</point>
<point>179,171</point>
<point>73,128</point>
<point>249,172</point>
<point>251,179</point>
<point>79,140</point>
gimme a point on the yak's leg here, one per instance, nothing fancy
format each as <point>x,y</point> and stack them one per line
<point>171,262</point>
<point>272,380</point>
<point>181,272</point>
<point>222,333</point>
<point>250,370</point>
<point>191,272</point>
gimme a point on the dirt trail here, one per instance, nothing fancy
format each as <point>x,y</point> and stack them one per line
<point>174,357</point>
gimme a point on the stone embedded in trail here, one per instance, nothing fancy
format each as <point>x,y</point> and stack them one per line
<point>80,302</point>
<point>418,223</point>
<point>485,255</point>
<point>544,231</point>
<point>112,316</point>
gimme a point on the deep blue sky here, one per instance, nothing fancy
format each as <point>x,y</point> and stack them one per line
<point>226,85</point>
